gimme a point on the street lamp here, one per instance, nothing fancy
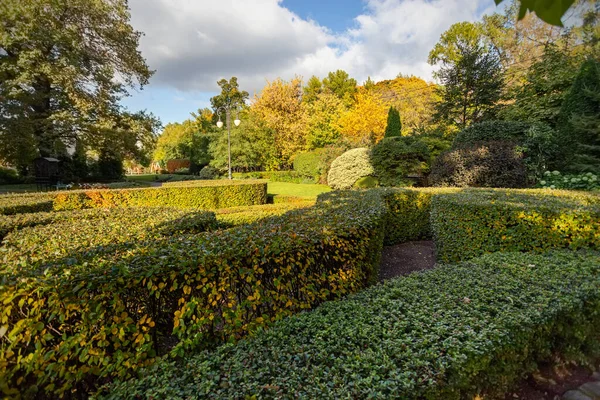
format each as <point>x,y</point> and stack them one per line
<point>228,107</point>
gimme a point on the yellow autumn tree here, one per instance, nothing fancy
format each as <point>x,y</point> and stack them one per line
<point>279,106</point>
<point>412,97</point>
<point>364,123</point>
<point>323,113</point>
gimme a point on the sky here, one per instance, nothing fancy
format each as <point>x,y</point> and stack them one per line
<point>191,44</point>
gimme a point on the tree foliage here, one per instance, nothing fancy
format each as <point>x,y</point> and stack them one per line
<point>394,125</point>
<point>63,68</point>
<point>340,84</point>
<point>230,95</point>
<point>364,123</point>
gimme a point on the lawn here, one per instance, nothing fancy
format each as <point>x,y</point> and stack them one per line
<point>19,188</point>
<point>296,189</point>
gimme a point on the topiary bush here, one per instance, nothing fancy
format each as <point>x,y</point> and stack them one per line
<point>208,172</point>
<point>395,158</point>
<point>489,164</point>
<point>474,222</point>
<point>455,332</point>
<point>349,168</point>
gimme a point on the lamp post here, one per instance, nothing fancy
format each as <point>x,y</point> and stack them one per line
<point>228,107</point>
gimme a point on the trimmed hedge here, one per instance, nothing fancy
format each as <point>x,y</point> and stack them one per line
<point>450,333</point>
<point>471,223</point>
<point>191,194</point>
<point>86,321</point>
<point>350,167</point>
<point>69,237</point>
<point>230,217</point>
<point>11,204</point>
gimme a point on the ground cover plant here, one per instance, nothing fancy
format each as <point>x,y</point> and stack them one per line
<point>450,333</point>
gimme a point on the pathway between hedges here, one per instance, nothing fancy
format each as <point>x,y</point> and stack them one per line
<point>575,383</point>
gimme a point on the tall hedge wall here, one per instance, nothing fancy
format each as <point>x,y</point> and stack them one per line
<point>471,223</point>
<point>84,319</point>
<point>195,194</point>
<point>451,333</point>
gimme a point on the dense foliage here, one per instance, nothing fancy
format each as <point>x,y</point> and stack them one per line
<point>454,332</point>
<point>350,167</point>
<point>394,125</point>
<point>556,180</point>
<point>395,159</point>
<point>471,223</point>
<point>483,164</point>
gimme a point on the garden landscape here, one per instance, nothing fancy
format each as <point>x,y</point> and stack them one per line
<point>345,232</point>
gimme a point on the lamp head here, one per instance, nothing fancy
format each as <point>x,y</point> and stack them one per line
<point>219,124</point>
<point>237,122</point>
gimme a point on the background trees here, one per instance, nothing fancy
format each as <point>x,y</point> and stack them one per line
<point>59,64</point>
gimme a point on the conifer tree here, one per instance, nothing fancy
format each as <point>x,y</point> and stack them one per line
<point>394,126</point>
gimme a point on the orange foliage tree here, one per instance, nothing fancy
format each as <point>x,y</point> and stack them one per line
<point>364,123</point>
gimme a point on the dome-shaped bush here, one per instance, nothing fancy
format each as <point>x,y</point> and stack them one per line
<point>349,168</point>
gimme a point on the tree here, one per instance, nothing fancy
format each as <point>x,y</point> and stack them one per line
<point>230,95</point>
<point>472,86</point>
<point>364,124</point>
<point>414,99</point>
<point>322,116</point>
<point>279,106</point>
<point>580,120</point>
<point>449,49</point>
<point>63,68</point>
<point>312,90</point>
<point>340,83</point>
<point>394,126</point>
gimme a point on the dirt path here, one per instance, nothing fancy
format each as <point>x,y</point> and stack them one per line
<point>405,258</point>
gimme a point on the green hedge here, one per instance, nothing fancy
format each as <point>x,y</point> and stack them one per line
<point>450,333</point>
<point>25,203</point>
<point>191,194</point>
<point>70,237</point>
<point>475,222</point>
<point>100,317</point>
<point>230,217</point>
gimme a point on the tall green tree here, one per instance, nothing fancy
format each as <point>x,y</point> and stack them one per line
<point>64,65</point>
<point>471,86</point>
<point>312,90</point>
<point>580,120</point>
<point>394,125</point>
<point>230,95</point>
<point>340,84</point>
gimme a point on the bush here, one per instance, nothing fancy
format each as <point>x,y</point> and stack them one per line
<point>109,167</point>
<point>119,310</point>
<point>208,172</point>
<point>350,167</point>
<point>8,176</point>
<point>454,332</point>
<point>395,158</point>
<point>490,164</point>
<point>308,164</point>
<point>235,216</point>
<point>197,194</point>
<point>25,203</point>
<point>74,236</point>
<point>275,176</point>
<point>555,180</point>
<point>471,223</point>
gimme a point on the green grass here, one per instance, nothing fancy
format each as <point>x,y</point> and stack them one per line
<point>143,178</point>
<point>296,189</point>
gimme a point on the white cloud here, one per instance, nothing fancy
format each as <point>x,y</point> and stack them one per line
<point>192,44</point>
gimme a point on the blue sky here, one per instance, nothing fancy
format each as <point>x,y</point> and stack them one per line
<point>193,43</point>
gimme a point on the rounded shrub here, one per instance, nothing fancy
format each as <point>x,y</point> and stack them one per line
<point>315,164</point>
<point>395,158</point>
<point>350,167</point>
<point>208,172</point>
<point>489,164</point>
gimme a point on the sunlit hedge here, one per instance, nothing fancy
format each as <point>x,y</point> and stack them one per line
<point>454,332</point>
<point>190,194</point>
<point>234,216</point>
<point>86,319</point>
<point>475,222</point>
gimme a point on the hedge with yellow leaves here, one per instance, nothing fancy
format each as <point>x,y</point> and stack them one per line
<point>476,222</point>
<point>86,321</point>
<point>205,195</point>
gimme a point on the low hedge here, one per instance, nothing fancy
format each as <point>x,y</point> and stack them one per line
<point>475,222</point>
<point>70,237</point>
<point>191,194</point>
<point>87,321</point>
<point>454,332</point>
<point>230,217</point>
<point>11,204</point>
